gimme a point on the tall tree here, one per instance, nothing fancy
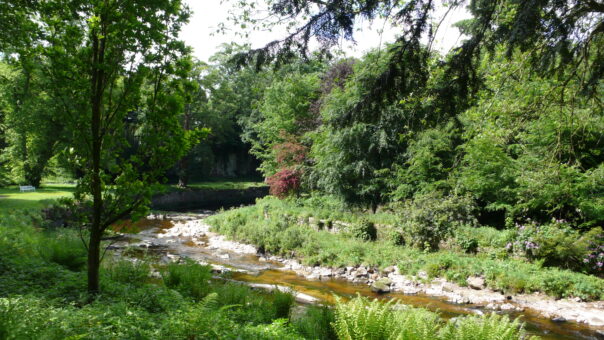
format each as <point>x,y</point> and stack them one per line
<point>33,125</point>
<point>112,64</point>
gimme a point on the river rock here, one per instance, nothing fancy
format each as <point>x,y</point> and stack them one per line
<point>381,286</point>
<point>476,282</point>
<point>325,272</point>
<point>313,276</point>
<point>360,272</point>
<point>558,319</point>
<point>389,269</point>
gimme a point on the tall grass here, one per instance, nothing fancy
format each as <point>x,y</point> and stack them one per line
<point>129,272</point>
<point>316,323</point>
<point>189,278</point>
<point>64,247</point>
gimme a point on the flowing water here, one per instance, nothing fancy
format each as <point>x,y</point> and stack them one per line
<point>154,236</point>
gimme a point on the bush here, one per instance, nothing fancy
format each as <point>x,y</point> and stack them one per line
<point>188,278</point>
<point>363,230</point>
<point>555,244</point>
<point>284,183</point>
<point>466,241</point>
<point>65,212</point>
<point>232,294</point>
<point>395,237</point>
<point>429,219</point>
<point>594,258</point>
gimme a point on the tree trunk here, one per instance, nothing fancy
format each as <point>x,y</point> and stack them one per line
<point>183,164</point>
<point>94,256</point>
<point>96,228</point>
<point>183,172</point>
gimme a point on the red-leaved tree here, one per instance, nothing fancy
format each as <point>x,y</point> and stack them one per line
<point>285,182</point>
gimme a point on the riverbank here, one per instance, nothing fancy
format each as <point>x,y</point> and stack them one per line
<point>43,296</point>
<point>497,284</point>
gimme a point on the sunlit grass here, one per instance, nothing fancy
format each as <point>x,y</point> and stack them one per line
<point>11,198</point>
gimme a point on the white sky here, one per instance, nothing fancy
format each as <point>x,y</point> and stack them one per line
<point>208,14</point>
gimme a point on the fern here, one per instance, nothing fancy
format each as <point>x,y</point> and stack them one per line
<point>491,327</point>
<point>363,319</point>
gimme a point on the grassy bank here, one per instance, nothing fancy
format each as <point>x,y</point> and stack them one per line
<point>43,296</point>
<point>222,184</point>
<point>284,227</point>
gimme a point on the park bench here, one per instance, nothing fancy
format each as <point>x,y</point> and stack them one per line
<point>23,188</point>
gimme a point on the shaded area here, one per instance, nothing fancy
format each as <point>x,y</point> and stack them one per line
<point>192,198</point>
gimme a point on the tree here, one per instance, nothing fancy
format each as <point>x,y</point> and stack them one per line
<point>562,34</point>
<point>31,143</point>
<point>195,102</point>
<point>113,67</point>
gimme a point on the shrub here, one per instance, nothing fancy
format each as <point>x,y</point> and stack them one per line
<point>594,259</point>
<point>554,244</point>
<point>231,294</point>
<point>395,237</point>
<point>189,278</point>
<point>466,241</point>
<point>363,230</point>
<point>429,219</point>
<point>65,212</point>
<point>284,183</point>
<point>152,298</point>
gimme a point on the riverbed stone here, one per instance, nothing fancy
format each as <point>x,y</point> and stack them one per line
<point>389,269</point>
<point>361,272</point>
<point>558,319</point>
<point>476,282</point>
<point>313,276</point>
<point>381,286</point>
<point>325,272</point>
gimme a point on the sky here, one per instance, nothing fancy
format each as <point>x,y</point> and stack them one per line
<point>200,32</point>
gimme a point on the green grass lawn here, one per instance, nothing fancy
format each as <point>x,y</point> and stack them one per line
<point>225,184</point>
<point>11,198</point>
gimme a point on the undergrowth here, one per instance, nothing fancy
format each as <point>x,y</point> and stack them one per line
<point>43,296</point>
<point>286,228</point>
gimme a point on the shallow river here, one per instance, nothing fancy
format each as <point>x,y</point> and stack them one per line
<point>157,236</point>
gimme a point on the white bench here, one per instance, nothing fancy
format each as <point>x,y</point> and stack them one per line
<point>23,188</point>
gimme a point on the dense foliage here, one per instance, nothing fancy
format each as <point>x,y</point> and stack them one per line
<point>43,286</point>
<point>321,232</point>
